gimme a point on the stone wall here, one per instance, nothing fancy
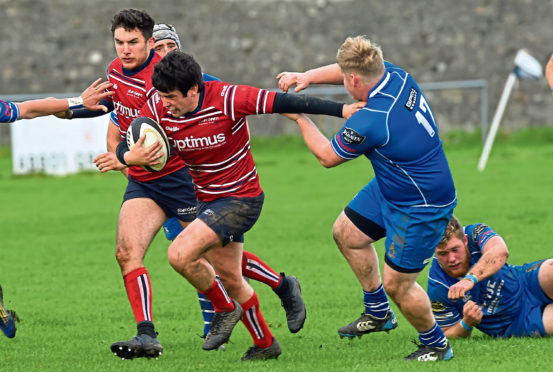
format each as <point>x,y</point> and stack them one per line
<point>59,46</point>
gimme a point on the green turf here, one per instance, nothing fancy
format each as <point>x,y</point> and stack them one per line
<point>58,269</point>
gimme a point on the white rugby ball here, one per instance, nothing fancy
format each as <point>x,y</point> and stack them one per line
<point>146,126</point>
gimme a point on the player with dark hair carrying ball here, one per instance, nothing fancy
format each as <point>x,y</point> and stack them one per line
<point>287,287</point>
<point>206,125</point>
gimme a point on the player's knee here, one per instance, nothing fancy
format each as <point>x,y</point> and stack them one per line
<point>338,233</point>
<point>232,283</point>
<point>181,261</point>
<point>122,252</point>
<point>174,257</point>
<point>393,288</point>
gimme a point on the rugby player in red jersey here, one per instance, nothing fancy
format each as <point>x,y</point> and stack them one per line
<point>206,125</point>
<point>287,287</point>
<point>151,198</point>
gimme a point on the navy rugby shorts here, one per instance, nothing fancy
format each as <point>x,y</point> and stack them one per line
<point>174,193</point>
<point>231,217</point>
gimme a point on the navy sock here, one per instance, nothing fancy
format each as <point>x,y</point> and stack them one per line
<point>376,302</point>
<point>207,311</point>
<point>434,337</point>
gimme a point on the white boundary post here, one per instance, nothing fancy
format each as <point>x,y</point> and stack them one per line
<point>496,120</point>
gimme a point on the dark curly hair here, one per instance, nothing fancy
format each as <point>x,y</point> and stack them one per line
<point>177,71</point>
<point>131,19</point>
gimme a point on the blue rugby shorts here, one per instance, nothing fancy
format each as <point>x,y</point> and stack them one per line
<point>529,322</point>
<point>412,233</point>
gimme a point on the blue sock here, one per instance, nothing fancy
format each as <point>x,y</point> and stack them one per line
<point>207,311</point>
<point>376,303</point>
<point>434,337</point>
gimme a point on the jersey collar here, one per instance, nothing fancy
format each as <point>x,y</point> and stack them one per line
<point>380,85</point>
<point>136,70</point>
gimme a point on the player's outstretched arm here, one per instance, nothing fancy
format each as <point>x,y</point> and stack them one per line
<point>494,256</point>
<point>91,103</point>
<point>330,74</point>
<point>317,143</point>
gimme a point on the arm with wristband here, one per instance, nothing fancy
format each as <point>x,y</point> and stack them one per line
<point>92,102</point>
<point>472,316</point>
<point>90,98</point>
<point>494,256</point>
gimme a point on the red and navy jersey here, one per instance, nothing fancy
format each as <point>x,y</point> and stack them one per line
<point>9,111</point>
<point>132,88</point>
<point>214,141</point>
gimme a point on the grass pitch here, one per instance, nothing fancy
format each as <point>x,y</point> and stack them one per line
<point>59,273</point>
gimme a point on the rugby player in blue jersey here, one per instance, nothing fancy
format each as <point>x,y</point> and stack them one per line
<point>471,285</point>
<point>409,201</point>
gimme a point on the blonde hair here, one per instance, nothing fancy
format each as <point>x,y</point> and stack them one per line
<point>359,55</point>
<point>454,229</point>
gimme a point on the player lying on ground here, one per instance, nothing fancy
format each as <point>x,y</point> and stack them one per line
<point>471,285</point>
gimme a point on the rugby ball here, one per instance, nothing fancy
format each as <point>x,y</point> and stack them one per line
<point>153,131</point>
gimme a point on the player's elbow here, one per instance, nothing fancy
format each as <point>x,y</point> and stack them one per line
<point>327,163</point>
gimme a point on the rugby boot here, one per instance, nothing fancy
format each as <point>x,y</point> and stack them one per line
<point>292,302</point>
<point>139,346</point>
<point>221,327</point>
<point>7,321</point>
<point>367,324</point>
<point>426,353</point>
<point>257,353</point>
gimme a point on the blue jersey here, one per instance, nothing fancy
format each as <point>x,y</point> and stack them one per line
<point>397,132</point>
<point>499,295</point>
<point>9,112</point>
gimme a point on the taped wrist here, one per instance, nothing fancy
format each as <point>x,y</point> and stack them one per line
<point>75,103</point>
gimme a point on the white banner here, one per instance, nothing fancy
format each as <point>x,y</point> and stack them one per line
<point>56,146</point>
